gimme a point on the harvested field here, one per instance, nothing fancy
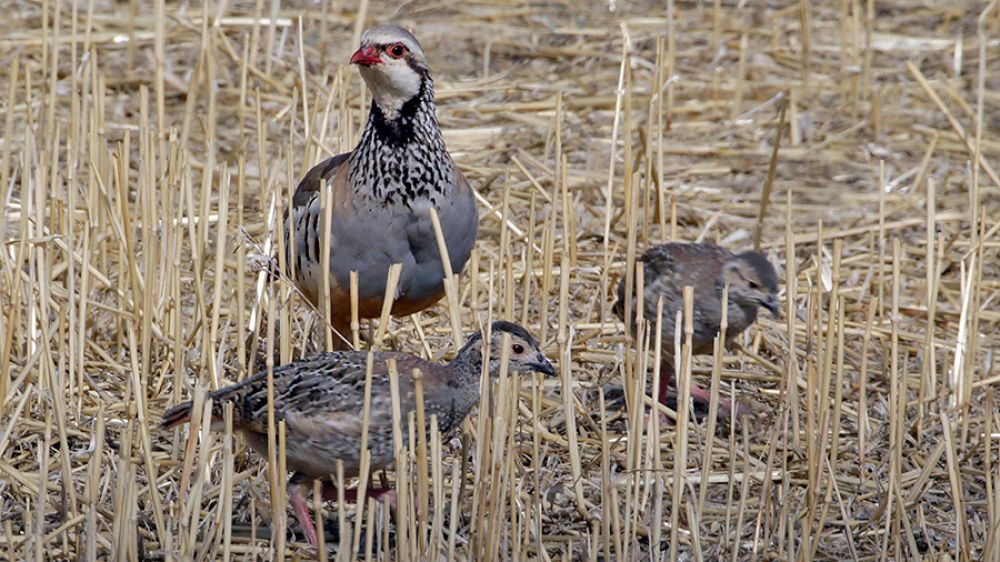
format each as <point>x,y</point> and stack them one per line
<point>148,148</point>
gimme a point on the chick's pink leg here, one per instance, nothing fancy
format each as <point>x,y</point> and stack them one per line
<point>663,392</point>
<point>387,495</point>
<point>704,398</point>
<point>297,488</point>
<point>699,395</point>
<point>666,381</point>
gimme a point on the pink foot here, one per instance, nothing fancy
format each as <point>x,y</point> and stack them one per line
<point>702,398</point>
<point>664,419</point>
<point>702,403</point>
<point>387,495</point>
<point>298,501</point>
<point>298,486</point>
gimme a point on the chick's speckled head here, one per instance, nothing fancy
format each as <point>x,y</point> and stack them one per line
<point>392,63</point>
<point>752,281</point>
<point>524,354</point>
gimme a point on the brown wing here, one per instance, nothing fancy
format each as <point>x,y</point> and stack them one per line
<point>667,269</point>
<point>325,393</point>
<point>312,182</point>
<point>339,413</point>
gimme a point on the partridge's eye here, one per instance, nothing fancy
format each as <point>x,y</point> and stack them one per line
<point>754,285</point>
<point>518,348</point>
<point>397,50</point>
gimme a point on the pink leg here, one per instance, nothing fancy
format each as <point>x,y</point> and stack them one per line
<point>387,495</point>
<point>699,395</point>
<point>297,488</point>
<point>666,381</point>
<point>663,393</point>
<point>726,406</point>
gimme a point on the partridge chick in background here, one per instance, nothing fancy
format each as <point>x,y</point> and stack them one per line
<point>382,194</point>
<point>668,268</point>
<point>321,401</point>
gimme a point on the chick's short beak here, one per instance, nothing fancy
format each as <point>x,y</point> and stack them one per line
<point>367,55</point>
<point>772,305</point>
<point>542,365</point>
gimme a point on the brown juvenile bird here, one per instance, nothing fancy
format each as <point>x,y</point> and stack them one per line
<point>668,268</point>
<point>321,400</point>
<point>382,194</point>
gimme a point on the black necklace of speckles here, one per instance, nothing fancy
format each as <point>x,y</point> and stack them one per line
<point>402,159</point>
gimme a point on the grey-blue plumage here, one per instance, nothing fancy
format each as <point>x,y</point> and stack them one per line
<point>382,193</point>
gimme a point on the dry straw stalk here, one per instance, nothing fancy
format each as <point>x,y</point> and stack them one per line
<point>147,157</point>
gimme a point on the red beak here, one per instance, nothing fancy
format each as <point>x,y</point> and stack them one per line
<point>366,56</point>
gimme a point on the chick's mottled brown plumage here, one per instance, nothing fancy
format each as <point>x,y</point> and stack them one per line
<point>668,268</point>
<point>321,401</point>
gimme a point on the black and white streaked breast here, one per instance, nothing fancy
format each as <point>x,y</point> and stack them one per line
<point>401,160</point>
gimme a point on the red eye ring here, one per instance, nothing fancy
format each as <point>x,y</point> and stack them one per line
<point>396,50</point>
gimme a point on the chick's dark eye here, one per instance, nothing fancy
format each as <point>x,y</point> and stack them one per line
<point>518,348</point>
<point>397,50</point>
<point>754,285</point>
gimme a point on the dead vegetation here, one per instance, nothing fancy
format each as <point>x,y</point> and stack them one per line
<point>147,150</point>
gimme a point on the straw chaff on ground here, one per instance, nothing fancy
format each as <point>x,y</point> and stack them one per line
<point>148,149</point>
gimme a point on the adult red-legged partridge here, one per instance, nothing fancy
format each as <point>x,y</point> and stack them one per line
<point>321,400</point>
<point>382,194</point>
<point>668,268</point>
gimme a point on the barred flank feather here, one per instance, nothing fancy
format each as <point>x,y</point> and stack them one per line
<point>177,415</point>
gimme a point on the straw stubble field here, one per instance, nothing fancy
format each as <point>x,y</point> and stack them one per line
<point>148,149</point>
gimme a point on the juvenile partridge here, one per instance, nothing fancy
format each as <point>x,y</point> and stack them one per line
<point>668,268</point>
<point>382,194</point>
<point>321,400</point>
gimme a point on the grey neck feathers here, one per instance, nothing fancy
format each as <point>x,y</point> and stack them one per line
<point>740,315</point>
<point>467,366</point>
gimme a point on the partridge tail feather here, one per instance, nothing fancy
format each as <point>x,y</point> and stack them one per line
<point>177,415</point>
<point>181,413</point>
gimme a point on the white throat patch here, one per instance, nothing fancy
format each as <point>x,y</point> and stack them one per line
<point>392,83</point>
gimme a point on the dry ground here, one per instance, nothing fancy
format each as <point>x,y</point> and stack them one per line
<point>145,146</point>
